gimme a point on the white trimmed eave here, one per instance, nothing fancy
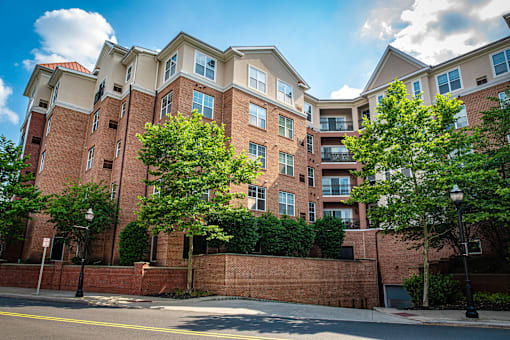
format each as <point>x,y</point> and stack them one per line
<point>133,52</point>
<point>37,69</point>
<point>55,77</point>
<point>404,78</point>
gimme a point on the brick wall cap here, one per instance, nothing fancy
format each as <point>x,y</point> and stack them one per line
<point>162,268</point>
<point>284,257</point>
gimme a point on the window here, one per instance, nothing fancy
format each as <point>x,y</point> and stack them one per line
<point>43,104</point>
<point>206,195</point>
<point>166,105</point>
<point>379,98</point>
<point>117,88</point>
<point>308,111</point>
<point>156,190</point>
<point>501,62</point>
<point>257,79</point>
<point>114,191</point>
<point>48,128</point>
<point>170,66</point>
<point>107,164</point>
<point>90,158</point>
<point>43,157</point>
<point>57,249</point>
<point>113,124</point>
<point>256,198</point>
<point>128,72</point>
<point>311,212</point>
<point>286,164</point>
<point>449,81</point>
<point>311,177</point>
<point>117,149</point>
<point>336,186</point>
<point>257,116</point>
<point>286,127</point>
<point>309,143</point>
<point>504,99</point>
<point>203,103</point>
<point>461,119</point>
<point>123,110</point>
<point>55,94</point>
<point>286,203</point>
<point>284,92</point>
<point>95,121</point>
<point>481,80</point>
<point>416,88</point>
<point>343,214</point>
<point>205,65</point>
<point>255,151</point>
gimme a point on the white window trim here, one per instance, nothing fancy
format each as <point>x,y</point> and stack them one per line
<point>286,202</point>
<point>48,127</point>
<point>286,157</point>
<point>292,89</point>
<point>205,66</point>
<point>54,94</point>
<point>41,164</point>
<point>463,106</point>
<point>95,120</point>
<point>90,158</point>
<point>257,198</point>
<point>123,109</point>
<point>257,116</point>
<point>436,76</point>
<point>307,143</point>
<point>256,89</point>
<point>113,192</point>
<point>257,156</point>
<point>421,89</point>
<point>285,127</point>
<point>492,63</point>
<point>117,148</point>
<point>308,177</point>
<point>314,212</point>
<point>169,94</point>
<point>129,71</point>
<point>306,113</point>
<point>339,177</point>
<point>176,54</point>
<point>203,104</point>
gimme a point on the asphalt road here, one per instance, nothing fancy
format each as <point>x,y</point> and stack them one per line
<point>28,319</point>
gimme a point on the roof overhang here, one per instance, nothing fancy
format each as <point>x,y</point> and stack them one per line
<point>109,47</point>
<point>134,51</point>
<point>55,77</point>
<point>37,69</point>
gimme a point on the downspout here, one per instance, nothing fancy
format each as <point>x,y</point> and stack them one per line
<point>379,276</point>
<point>121,172</point>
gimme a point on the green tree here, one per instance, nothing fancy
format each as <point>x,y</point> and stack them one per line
<point>241,225</point>
<point>67,210</point>
<point>412,145</point>
<point>18,198</point>
<point>187,158</point>
<point>133,242</point>
<point>329,236</point>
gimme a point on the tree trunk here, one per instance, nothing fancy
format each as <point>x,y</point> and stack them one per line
<point>425,266</point>
<point>190,263</point>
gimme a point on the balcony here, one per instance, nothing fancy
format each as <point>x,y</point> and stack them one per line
<point>350,223</point>
<point>336,125</point>
<point>336,189</point>
<point>336,157</point>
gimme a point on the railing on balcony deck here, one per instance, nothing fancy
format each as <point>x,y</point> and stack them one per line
<point>336,157</point>
<point>335,124</point>
<point>350,223</point>
<point>337,190</point>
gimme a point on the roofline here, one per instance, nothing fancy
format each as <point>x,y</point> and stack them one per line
<point>59,70</point>
<point>136,50</point>
<point>34,75</point>
<point>405,77</point>
<point>183,36</point>
<point>113,47</point>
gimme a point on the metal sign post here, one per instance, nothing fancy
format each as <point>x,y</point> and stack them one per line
<point>46,244</point>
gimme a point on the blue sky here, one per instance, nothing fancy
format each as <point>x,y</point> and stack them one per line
<point>334,45</point>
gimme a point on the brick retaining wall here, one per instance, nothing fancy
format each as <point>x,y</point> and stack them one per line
<point>316,281</point>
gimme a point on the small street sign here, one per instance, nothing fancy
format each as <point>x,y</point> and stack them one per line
<point>46,242</point>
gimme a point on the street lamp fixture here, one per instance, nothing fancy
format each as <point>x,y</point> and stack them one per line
<point>457,195</point>
<point>89,216</point>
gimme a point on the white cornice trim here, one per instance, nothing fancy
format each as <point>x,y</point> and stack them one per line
<point>143,90</point>
<point>71,107</point>
<point>410,75</point>
<point>494,82</point>
<point>39,110</point>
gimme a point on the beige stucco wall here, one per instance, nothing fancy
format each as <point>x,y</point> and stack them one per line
<point>166,56</point>
<point>42,90</point>
<point>393,67</point>
<point>145,73</point>
<point>111,70</point>
<point>76,91</point>
<point>189,64</point>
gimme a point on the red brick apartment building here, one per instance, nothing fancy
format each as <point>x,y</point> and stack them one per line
<point>82,125</point>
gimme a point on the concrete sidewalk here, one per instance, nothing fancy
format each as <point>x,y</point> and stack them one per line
<point>226,305</point>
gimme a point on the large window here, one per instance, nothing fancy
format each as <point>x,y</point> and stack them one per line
<point>90,158</point>
<point>286,203</point>
<point>286,127</point>
<point>336,186</point>
<point>449,81</point>
<point>284,92</point>
<point>308,111</point>
<point>286,163</point>
<point>461,119</point>
<point>501,62</point>
<point>170,66</point>
<point>95,121</point>
<point>257,79</point>
<point>43,157</point>
<point>256,198</point>
<point>48,128</point>
<point>416,88</point>
<point>309,143</point>
<point>205,65</point>
<point>166,105</point>
<point>255,151</point>
<point>343,214</point>
<point>257,116</point>
<point>128,72</point>
<point>311,212</point>
<point>311,176</point>
<point>203,103</point>
<point>123,110</point>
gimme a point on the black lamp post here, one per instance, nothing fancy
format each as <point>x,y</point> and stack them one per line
<point>89,216</point>
<point>457,196</point>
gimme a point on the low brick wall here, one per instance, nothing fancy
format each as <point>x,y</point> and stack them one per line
<point>492,283</point>
<point>139,279</point>
<point>340,283</point>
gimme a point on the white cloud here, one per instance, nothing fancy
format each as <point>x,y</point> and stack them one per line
<point>436,30</point>
<point>5,112</point>
<point>70,35</point>
<point>345,92</point>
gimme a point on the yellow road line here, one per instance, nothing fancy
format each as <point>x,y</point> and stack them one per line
<point>137,327</point>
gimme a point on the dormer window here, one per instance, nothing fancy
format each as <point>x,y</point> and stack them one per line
<point>128,72</point>
<point>205,66</point>
<point>170,66</point>
<point>284,92</point>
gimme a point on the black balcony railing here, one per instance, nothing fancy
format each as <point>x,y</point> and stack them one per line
<point>336,190</point>
<point>332,124</point>
<point>350,223</point>
<point>336,157</point>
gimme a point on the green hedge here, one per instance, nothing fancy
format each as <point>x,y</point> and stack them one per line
<point>133,243</point>
<point>242,226</point>
<point>330,236</point>
<point>443,289</point>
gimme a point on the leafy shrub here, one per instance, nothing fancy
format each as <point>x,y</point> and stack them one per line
<point>494,298</point>
<point>285,237</point>
<point>134,239</point>
<point>330,236</point>
<point>443,289</point>
<point>241,225</point>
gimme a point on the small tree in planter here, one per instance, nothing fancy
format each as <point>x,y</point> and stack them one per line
<point>134,239</point>
<point>330,236</point>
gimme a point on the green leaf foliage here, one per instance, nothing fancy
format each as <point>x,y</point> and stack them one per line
<point>67,210</point>
<point>133,243</point>
<point>329,236</point>
<point>241,225</point>
<point>443,289</point>
<point>18,198</point>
